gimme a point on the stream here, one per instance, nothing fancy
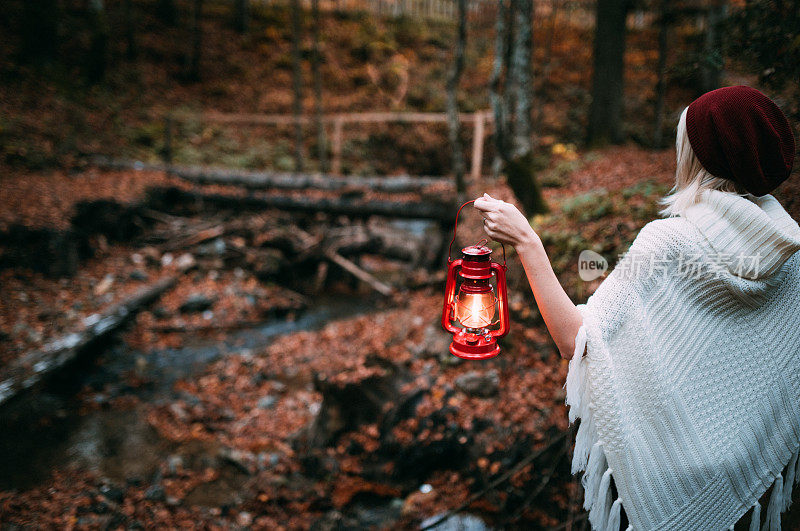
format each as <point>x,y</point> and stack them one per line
<point>53,428</point>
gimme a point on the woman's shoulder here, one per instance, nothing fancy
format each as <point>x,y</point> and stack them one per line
<point>667,235</point>
<point>657,248</point>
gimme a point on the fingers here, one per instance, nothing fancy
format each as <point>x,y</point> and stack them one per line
<point>486,203</point>
<point>483,205</point>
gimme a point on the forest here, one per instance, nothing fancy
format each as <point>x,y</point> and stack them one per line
<point>224,230</point>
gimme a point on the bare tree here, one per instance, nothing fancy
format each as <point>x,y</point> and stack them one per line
<point>197,41</point>
<point>548,62</point>
<point>167,12</point>
<point>664,21</point>
<point>520,169</point>
<point>97,60</point>
<point>130,34</point>
<point>242,15</point>
<point>297,86</point>
<point>711,59</point>
<point>454,127</point>
<point>605,112</point>
<point>316,74</point>
<point>39,23</point>
<point>512,107</point>
<point>496,90</point>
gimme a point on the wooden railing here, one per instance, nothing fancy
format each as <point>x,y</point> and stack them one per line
<point>431,9</point>
<point>479,121</point>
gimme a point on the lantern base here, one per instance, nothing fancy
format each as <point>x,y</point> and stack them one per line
<point>469,346</point>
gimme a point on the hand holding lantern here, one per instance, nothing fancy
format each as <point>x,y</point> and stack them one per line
<point>468,312</point>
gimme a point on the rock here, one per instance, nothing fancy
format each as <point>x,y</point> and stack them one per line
<point>267,402</point>
<point>179,412</point>
<point>457,522</point>
<point>174,464</point>
<point>155,493</point>
<point>214,248</point>
<point>348,405</point>
<point>112,492</point>
<point>241,459</point>
<point>138,274</point>
<point>482,384</point>
<point>151,255</point>
<point>244,519</point>
<point>435,344</point>
<point>197,303</point>
<point>185,262</point>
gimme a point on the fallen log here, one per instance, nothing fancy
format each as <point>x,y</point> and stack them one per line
<point>265,180</point>
<point>359,273</point>
<point>192,239</point>
<point>33,368</point>
<point>169,198</point>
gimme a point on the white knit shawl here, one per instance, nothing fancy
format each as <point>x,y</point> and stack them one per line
<point>687,384</point>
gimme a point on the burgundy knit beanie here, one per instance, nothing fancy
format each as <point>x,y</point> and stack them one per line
<point>738,133</point>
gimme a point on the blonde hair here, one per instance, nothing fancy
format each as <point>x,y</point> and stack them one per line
<point>691,179</point>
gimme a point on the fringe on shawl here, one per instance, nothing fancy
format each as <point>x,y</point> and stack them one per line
<point>780,498</point>
<point>589,456</point>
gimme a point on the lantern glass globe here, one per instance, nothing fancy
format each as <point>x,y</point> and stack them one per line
<point>475,310</point>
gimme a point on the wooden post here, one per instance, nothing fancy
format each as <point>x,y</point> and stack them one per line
<point>167,150</point>
<point>336,147</point>
<point>477,146</point>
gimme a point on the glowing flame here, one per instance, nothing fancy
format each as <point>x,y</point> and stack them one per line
<point>475,310</point>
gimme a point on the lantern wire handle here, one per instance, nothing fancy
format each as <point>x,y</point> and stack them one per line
<point>455,229</point>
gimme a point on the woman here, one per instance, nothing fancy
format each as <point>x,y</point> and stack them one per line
<point>685,362</point>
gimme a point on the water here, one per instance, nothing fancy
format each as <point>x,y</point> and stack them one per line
<point>51,429</point>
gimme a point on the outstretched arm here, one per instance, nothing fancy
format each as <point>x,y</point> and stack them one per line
<point>503,222</point>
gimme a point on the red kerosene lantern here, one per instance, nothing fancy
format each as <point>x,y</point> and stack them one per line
<point>469,311</point>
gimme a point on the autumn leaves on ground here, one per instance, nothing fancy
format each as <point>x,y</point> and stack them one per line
<point>336,421</point>
<point>454,427</point>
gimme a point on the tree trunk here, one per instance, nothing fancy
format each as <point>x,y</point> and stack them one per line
<point>34,367</point>
<point>520,83</point>
<point>520,167</point>
<point>496,85</point>
<point>543,95</point>
<point>197,41</point>
<point>269,180</point>
<point>166,11</point>
<point>130,33</point>
<point>453,80</point>
<point>39,31</point>
<point>297,86</point>
<point>322,143</point>
<point>175,200</point>
<point>661,86</point>
<point>605,113</point>
<point>97,60</point>
<point>242,18</point>
<point>711,62</point>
